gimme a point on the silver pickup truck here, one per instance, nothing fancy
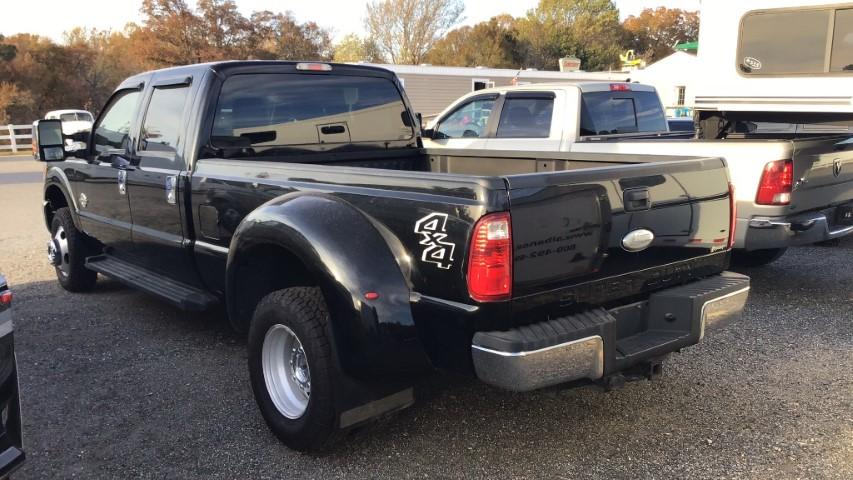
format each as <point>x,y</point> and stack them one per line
<point>793,183</point>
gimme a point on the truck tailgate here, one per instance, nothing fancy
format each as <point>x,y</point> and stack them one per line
<point>823,173</point>
<point>577,227</point>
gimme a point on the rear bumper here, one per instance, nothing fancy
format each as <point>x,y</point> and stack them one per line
<point>600,342</point>
<point>799,229</point>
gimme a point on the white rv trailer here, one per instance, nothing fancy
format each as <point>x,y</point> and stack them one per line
<point>775,56</point>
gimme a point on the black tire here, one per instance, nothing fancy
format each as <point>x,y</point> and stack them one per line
<point>303,311</point>
<point>72,274</point>
<point>756,258</point>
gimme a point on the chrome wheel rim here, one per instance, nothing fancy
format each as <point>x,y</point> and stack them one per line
<point>57,252</point>
<point>286,373</point>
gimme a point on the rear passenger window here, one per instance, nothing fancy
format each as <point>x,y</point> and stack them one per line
<point>263,111</point>
<point>162,126</point>
<point>526,118</point>
<point>113,130</point>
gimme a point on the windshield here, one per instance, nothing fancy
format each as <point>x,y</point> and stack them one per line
<point>613,112</point>
<point>264,111</point>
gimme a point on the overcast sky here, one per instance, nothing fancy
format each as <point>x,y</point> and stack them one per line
<point>53,17</point>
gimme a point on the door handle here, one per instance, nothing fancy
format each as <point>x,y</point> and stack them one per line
<point>171,195</point>
<point>636,199</point>
<point>122,182</point>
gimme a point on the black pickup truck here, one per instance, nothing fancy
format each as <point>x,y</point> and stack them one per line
<point>299,196</point>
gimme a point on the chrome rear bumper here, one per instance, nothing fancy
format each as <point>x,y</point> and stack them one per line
<point>593,344</point>
<point>800,229</point>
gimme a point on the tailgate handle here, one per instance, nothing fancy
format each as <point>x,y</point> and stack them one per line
<point>636,199</point>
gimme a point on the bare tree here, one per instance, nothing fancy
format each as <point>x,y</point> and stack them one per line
<point>405,30</point>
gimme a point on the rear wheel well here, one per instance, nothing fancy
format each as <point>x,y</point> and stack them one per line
<point>55,199</point>
<point>261,270</point>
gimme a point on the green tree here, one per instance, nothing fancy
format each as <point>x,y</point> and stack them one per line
<point>353,48</point>
<point>405,30</point>
<point>654,33</point>
<point>587,29</point>
<point>493,43</point>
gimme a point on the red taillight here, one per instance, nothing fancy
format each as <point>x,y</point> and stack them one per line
<point>5,298</point>
<point>733,215</point>
<point>490,259</point>
<point>776,183</point>
<point>620,87</point>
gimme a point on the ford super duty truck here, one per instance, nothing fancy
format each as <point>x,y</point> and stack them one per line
<point>794,186</point>
<point>299,197</point>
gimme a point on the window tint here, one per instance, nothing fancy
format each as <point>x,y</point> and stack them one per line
<point>162,125</point>
<point>68,117</point>
<point>113,131</point>
<point>607,113</point>
<point>842,42</point>
<point>469,120</point>
<point>269,110</point>
<point>526,118</point>
<point>787,42</point>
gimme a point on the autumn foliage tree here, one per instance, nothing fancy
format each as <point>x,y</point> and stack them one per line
<point>494,43</point>
<point>404,31</point>
<point>654,33</point>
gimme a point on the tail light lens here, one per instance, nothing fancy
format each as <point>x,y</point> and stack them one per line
<point>776,183</point>
<point>5,300</point>
<point>733,215</point>
<point>490,259</point>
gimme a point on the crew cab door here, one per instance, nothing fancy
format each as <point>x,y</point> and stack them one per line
<point>525,121</point>
<point>99,182</point>
<point>467,126</point>
<point>155,182</point>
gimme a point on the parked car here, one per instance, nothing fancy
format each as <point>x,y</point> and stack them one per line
<point>680,124</point>
<point>11,443</point>
<point>299,195</point>
<point>73,121</point>
<point>793,187</point>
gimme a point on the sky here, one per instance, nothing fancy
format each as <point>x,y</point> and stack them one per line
<point>53,17</point>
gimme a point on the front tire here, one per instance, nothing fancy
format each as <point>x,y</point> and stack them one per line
<point>291,368</point>
<point>757,258</point>
<point>67,252</point>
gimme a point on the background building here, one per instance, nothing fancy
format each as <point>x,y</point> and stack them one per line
<point>431,89</point>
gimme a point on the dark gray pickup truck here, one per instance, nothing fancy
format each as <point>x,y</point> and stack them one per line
<point>299,196</point>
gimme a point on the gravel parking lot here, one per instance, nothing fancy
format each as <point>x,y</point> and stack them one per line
<point>116,384</point>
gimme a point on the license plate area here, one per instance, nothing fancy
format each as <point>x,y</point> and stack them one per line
<point>844,215</point>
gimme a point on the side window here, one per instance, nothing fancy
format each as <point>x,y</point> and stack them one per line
<point>113,131</point>
<point>786,42</point>
<point>526,118</point>
<point>162,125</point>
<point>842,43</point>
<point>469,120</point>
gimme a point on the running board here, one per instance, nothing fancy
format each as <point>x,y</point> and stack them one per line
<point>179,294</point>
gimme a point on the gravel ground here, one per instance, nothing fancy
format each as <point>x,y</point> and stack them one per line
<point>116,384</point>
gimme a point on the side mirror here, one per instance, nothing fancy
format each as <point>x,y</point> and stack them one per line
<point>48,145</point>
<point>428,133</point>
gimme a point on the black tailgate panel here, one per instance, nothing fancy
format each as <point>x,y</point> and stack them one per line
<point>570,230</point>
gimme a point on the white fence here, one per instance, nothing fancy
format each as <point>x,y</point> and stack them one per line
<point>14,140</point>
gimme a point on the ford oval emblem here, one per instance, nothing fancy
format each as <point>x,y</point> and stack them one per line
<point>752,62</point>
<point>637,240</point>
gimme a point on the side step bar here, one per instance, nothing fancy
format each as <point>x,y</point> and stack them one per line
<point>179,294</point>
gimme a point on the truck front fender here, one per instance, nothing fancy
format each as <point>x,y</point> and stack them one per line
<point>346,255</point>
<point>57,194</point>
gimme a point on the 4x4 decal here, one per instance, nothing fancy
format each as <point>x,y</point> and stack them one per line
<point>432,231</point>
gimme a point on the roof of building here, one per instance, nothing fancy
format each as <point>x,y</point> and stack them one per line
<point>498,72</point>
